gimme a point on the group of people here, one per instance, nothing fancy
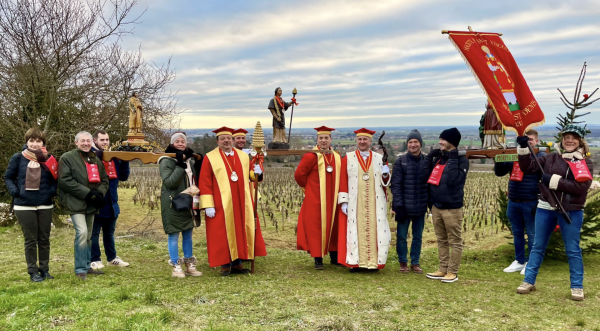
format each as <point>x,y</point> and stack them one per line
<point>87,190</point>
<point>343,215</point>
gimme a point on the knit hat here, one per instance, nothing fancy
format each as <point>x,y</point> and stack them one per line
<point>178,134</point>
<point>415,134</point>
<point>572,128</point>
<point>452,136</point>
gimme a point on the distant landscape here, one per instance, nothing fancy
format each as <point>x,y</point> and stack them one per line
<point>397,135</point>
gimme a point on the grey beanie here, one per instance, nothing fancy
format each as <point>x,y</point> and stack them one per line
<point>176,135</point>
<point>415,134</point>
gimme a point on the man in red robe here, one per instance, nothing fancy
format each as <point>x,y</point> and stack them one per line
<point>232,233</point>
<point>319,176</point>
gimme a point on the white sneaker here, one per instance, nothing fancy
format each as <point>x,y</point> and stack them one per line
<point>577,294</point>
<point>117,262</point>
<point>525,267</point>
<point>97,265</point>
<point>514,267</point>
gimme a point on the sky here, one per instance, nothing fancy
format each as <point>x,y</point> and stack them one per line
<point>360,63</point>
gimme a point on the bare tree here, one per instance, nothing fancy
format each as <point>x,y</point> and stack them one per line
<point>63,69</point>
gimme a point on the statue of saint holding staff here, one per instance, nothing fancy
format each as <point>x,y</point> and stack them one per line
<point>277,107</point>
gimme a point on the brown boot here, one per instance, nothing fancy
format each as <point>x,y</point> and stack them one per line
<point>190,266</point>
<point>177,272</point>
<point>225,271</point>
<point>404,267</point>
<point>416,269</point>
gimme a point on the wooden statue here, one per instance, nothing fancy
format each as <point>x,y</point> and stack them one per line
<point>135,137</point>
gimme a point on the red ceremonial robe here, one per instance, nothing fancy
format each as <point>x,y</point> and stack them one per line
<point>230,235</point>
<point>317,221</point>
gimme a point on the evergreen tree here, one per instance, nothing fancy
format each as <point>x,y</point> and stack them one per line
<point>502,200</point>
<point>589,233</point>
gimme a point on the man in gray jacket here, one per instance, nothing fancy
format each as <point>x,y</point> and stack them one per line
<point>82,184</point>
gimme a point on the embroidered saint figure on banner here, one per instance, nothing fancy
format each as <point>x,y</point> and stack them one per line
<point>506,85</point>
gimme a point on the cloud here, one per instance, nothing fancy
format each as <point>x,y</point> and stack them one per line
<point>281,22</point>
<point>361,62</point>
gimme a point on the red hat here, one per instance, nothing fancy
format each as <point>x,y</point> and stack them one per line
<point>365,132</point>
<point>239,132</point>
<point>324,130</point>
<point>224,130</point>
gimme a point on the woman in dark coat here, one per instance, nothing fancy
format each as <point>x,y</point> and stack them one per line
<point>568,174</point>
<point>31,180</point>
<point>179,174</point>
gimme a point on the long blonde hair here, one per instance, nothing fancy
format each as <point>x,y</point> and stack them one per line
<point>586,149</point>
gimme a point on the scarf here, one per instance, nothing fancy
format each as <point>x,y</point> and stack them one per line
<point>33,175</point>
<point>576,155</point>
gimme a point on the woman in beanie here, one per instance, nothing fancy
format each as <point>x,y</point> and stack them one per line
<point>31,180</point>
<point>179,174</point>
<point>568,174</point>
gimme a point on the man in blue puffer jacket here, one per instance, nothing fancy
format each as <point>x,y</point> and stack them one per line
<point>410,193</point>
<point>522,202</point>
<point>106,219</point>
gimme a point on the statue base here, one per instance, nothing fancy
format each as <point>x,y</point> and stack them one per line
<point>135,139</point>
<point>278,145</point>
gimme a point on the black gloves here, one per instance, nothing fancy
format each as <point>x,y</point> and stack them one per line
<point>400,214</point>
<point>188,153</point>
<point>180,162</point>
<point>546,179</point>
<point>435,152</point>
<point>95,198</point>
<point>523,141</point>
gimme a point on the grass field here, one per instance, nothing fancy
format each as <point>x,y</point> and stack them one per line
<point>286,292</point>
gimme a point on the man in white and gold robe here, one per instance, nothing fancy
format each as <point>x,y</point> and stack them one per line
<point>364,233</point>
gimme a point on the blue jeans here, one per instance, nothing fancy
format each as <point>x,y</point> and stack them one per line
<point>83,224</point>
<point>522,218</point>
<point>545,223</point>
<point>107,225</point>
<point>418,223</point>
<point>186,243</point>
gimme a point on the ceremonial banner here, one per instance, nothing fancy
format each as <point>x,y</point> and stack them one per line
<point>497,72</point>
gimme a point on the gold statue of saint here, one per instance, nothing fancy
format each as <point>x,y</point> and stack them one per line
<point>135,114</point>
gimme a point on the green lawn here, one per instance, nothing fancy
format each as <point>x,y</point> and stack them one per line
<point>286,292</point>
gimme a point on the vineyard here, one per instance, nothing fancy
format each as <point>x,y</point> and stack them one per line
<point>281,199</point>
